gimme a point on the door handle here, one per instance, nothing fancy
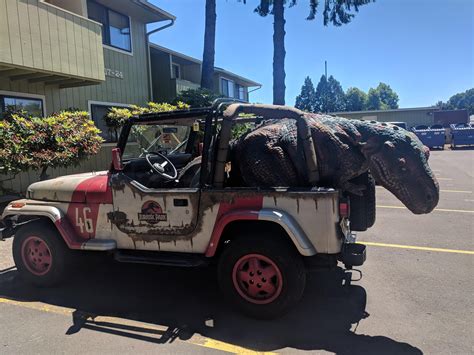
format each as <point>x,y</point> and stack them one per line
<point>180,202</point>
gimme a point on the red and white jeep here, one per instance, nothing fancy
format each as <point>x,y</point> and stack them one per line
<point>166,200</point>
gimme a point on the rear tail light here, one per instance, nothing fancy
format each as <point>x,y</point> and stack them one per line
<point>343,209</point>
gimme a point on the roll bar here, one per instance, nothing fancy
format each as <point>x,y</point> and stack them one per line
<point>266,112</point>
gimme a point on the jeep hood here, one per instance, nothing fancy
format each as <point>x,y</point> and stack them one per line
<point>80,188</point>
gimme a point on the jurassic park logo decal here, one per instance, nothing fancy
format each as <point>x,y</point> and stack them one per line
<point>152,213</point>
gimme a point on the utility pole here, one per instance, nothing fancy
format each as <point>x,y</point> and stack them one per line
<point>326,88</point>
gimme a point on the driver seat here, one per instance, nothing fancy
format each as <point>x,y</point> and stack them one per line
<point>189,175</point>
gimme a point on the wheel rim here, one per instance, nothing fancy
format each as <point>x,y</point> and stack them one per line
<point>36,256</point>
<point>257,279</point>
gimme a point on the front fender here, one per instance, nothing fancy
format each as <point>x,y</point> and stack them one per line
<point>283,219</point>
<point>58,218</point>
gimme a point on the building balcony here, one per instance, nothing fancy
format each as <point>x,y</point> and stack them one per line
<point>182,85</point>
<point>43,43</point>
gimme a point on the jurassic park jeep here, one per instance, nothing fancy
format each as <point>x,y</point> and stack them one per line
<point>167,199</point>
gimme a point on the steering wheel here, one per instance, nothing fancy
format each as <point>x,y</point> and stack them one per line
<point>166,168</point>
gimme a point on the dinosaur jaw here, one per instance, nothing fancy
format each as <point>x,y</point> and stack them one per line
<point>419,193</point>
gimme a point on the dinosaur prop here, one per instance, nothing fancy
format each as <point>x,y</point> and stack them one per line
<point>272,155</point>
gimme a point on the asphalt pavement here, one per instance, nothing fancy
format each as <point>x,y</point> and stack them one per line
<point>415,295</point>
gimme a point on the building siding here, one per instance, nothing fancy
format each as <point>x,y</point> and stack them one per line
<point>132,89</point>
<point>411,117</point>
<point>36,35</point>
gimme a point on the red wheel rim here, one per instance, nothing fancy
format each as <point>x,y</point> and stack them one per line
<point>36,256</point>
<point>257,279</point>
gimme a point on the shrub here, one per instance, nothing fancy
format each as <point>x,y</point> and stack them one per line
<point>60,140</point>
<point>197,98</point>
<point>117,117</point>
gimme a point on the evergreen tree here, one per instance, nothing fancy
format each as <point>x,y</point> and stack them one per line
<point>336,100</point>
<point>306,99</point>
<point>321,96</point>
<point>329,95</point>
<point>356,99</point>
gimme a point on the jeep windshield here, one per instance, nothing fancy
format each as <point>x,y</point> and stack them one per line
<point>161,138</point>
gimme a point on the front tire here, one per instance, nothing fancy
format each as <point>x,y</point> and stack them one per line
<point>40,254</point>
<point>263,276</point>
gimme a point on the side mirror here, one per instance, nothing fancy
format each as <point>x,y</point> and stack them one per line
<point>117,159</point>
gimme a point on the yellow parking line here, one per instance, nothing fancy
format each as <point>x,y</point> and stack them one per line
<point>460,191</point>
<point>440,250</point>
<point>205,342</point>
<point>219,345</point>
<point>436,209</point>
<point>443,178</point>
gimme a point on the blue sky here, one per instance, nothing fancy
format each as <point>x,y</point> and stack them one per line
<point>422,48</point>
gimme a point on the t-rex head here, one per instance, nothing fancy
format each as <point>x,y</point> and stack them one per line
<point>399,162</point>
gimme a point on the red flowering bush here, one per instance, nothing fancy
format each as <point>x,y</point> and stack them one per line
<point>60,140</point>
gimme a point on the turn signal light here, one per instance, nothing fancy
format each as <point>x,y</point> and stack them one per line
<point>343,209</point>
<point>17,204</point>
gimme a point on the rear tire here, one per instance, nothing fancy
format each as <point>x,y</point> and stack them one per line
<point>262,275</point>
<point>363,209</point>
<point>40,254</point>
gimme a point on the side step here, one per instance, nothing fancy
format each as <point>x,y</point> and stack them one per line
<point>161,258</point>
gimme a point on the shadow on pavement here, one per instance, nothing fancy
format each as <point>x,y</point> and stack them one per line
<point>185,300</point>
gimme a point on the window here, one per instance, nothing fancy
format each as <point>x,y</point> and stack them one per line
<point>239,92</point>
<point>227,87</point>
<point>98,115</point>
<point>165,139</point>
<point>115,26</point>
<point>176,71</point>
<point>32,106</point>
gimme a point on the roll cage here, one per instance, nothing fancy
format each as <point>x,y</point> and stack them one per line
<point>225,112</point>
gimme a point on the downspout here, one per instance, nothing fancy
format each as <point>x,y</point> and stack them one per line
<point>148,57</point>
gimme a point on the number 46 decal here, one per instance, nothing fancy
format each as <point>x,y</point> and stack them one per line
<point>83,221</point>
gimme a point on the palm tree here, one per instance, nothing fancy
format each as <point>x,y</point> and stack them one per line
<point>207,70</point>
<point>336,12</point>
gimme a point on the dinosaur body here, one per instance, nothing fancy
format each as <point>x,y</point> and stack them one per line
<point>271,155</point>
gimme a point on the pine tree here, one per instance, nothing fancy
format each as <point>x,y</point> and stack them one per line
<point>321,96</point>
<point>306,99</point>
<point>336,102</point>
<point>329,95</point>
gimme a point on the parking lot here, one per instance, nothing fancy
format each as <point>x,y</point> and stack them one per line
<point>415,296</point>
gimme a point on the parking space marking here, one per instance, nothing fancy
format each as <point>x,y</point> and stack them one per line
<point>400,246</point>
<point>150,328</point>
<point>453,191</point>
<point>234,349</point>
<point>436,209</point>
<point>443,178</point>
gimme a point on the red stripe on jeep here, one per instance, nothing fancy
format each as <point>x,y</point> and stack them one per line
<point>240,209</point>
<point>83,216</point>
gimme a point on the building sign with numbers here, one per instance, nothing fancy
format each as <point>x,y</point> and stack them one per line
<point>114,73</point>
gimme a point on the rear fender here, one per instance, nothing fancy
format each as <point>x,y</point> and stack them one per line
<point>283,219</point>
